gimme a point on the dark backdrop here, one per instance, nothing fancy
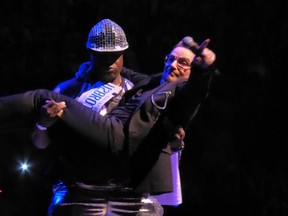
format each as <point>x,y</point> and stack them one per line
<point>234,161</point>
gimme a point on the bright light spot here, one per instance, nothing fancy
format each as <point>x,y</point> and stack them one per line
<point>24,167</point>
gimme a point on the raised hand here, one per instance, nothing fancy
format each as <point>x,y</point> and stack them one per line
<point>204,56</point>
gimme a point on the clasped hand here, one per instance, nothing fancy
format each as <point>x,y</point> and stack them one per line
<point>54,109</point>
<point>50,112</point>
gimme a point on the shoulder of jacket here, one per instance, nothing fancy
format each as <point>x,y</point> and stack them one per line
<point>69,87</point>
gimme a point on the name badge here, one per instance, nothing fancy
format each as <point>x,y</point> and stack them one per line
<point>95,98</point>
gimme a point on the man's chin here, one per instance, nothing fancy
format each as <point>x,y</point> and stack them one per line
<point>108,78</point>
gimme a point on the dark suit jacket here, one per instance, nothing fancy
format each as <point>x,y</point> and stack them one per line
<point>161,108</point>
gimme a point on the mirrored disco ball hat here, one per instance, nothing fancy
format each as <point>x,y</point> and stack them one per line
<point>107,36</point>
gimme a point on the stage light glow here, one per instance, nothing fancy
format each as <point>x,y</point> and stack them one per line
<point>24,166</point>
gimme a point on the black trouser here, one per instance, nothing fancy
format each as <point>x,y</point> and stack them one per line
<point>105,131</point>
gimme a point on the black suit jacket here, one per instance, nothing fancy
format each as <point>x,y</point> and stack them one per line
<point>161,108</point>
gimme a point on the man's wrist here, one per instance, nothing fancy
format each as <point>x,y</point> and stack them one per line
<point>180,147</point>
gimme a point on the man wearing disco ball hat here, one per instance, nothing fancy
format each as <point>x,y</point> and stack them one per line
<point>136,133</point>
<point>106,44</point>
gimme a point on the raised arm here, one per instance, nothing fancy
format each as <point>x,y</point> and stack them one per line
<point>192,93</point>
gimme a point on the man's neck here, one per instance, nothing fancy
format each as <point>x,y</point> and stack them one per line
<point>118,81</point>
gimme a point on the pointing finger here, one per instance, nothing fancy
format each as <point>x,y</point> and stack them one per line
<point>204,45</point>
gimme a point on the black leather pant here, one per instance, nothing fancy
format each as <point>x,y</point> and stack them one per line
<point>79,200</point>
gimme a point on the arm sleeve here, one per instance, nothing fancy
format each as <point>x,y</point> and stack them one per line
<point>134,77</point>
<point>189,96</point>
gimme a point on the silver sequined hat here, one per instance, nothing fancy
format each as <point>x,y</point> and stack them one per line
<point>107,36</point>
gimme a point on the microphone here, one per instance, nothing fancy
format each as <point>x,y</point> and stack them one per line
<point>189,43</point>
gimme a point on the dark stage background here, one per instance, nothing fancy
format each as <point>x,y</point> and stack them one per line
<point>235,160</point>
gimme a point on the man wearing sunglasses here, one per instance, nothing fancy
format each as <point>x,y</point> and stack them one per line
<point>106,45</point>
<point>141,162</point>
